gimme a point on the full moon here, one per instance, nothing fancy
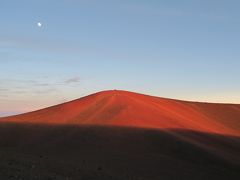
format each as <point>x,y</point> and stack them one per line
<point>39,24</point>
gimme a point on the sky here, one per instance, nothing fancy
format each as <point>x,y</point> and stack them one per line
<point>184,49</point>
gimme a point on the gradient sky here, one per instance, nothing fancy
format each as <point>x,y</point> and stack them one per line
<point>184,49</point>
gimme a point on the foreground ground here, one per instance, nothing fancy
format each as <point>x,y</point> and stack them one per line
<point>48,152</point>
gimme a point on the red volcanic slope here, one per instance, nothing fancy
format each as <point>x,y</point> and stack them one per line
<point>125,108</point>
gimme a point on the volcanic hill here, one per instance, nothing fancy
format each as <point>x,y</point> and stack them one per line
<point>123,108</point>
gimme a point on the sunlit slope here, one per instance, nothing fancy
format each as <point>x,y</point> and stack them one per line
<point>125,108</point>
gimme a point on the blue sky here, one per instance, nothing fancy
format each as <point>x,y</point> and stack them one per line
<point>179,49</point>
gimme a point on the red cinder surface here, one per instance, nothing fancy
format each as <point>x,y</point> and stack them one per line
<point>123,108</point>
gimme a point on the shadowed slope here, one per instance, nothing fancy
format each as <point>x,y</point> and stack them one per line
<point>44,151</point>
<point>132,109</point>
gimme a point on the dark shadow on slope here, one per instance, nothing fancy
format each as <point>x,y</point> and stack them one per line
<point>31,151</point>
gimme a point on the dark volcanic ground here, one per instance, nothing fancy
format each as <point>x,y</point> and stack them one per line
<point>48,152</point>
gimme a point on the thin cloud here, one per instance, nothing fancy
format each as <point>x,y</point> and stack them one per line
<point>42,84</point>
<point>3,89</point>
<point>72,80</point>
<point>48,46</point>
<point>46,91</point>
<point>20,92</point>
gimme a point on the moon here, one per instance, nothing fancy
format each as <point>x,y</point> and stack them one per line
<point>39,24</point>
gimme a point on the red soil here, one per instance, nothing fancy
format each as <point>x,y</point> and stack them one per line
<point>124,108</point>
